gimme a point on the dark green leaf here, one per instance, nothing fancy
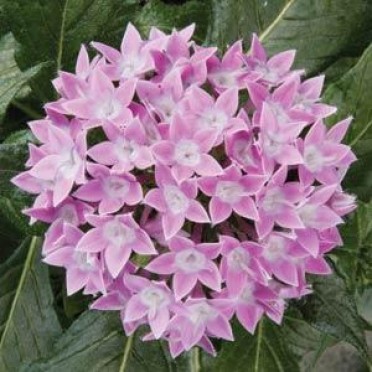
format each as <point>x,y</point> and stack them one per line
<point>267,351</point>
<point>332,310</point>
<point>96,342</point>
<point>321,31</point>
<point>11,78</point>
<point>53,30</point>
<point>365,306</point>
<point>237,19</point>
<point>306,342</point>
<point>354,258</point>
<point>351,94</point>
<point>13,154</point>
<point>29,323</point>
<point>169,16</point>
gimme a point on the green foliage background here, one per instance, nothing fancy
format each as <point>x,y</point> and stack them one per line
<point>43,330</point>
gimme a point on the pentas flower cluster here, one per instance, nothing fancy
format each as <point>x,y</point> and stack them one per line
<point>184,188</point>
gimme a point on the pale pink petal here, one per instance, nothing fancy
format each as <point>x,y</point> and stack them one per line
<point>218,210</point>
<point>289,218</point>
<point>91,191</point>
<point>154,198</point>
<point>208,166</point>
<point>211,277</point>
<point>103,153</point>
<point>61,190</point>
<point>116,258</point>
<point>164,152</point>
<point>134,310</point>
<point>159,323</point>
<point>249,316</point>
<point>172,224</point>
<point>228,101</point>
<point>183,284</point>
<point>246,208</point>
<point>197,213</point>
<point>220,327</point>
<point>164,264</point>
<point>75,280</point>
<point>92,241</point>
<point>317,266</point>
<point>286,272</point>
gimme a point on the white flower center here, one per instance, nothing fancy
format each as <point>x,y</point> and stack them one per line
<point>176,200</point>
<point>116,187</point>
<point>131,66</point>
<point>166,105</point>
<point>268,74</point>
<point>238,259</point>
<point>200,313</point>
<point>229,192</point>
<point>242,153</point>
<point>69,214</point>
<point>274,248</point>
<point>308,214</point>
<point>272,201</point>
<point>187,153</point>
<point>225,78</point>
<point>246,294</point>
<point>314,159</point>
<point>84,260</point>
<point>109,109</point>
<point>154,297</point>
<point>190,260</point>
<point>117,233</point>
<point>70,164</point>
<point>214,119</point>
<point>125,150</point>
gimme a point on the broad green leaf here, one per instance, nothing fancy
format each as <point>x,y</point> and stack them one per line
<point>28,322</point>
<point>332,310</point>
<point>13,154</point>
<point>267,351</point>
<point>11,78</point>
<point>96,342</point>
<point>320,30</point>
<point>354,258</point>
<point>364,302</point>
<point>53,30</point>
<point>306,342</point>
<point>169,16</point>
<point>238,19</point>
<point>351,94</point>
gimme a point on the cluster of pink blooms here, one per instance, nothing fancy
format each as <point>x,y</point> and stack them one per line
<point>184,188</point>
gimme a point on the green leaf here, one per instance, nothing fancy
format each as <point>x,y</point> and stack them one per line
<point>28,321</point>
<point>265,351</point>
<point>13,154</point>
<point>306,342</point>
<point>365,306</point>
<point>238,19</point>
<point>320,30</point>
<point>332,310</point>
<point>11,78</point>
<point>351,94</point>
<point>354,259</point>
<point>53,30</point>
<point>96,342</point>
<point>169,16</point>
